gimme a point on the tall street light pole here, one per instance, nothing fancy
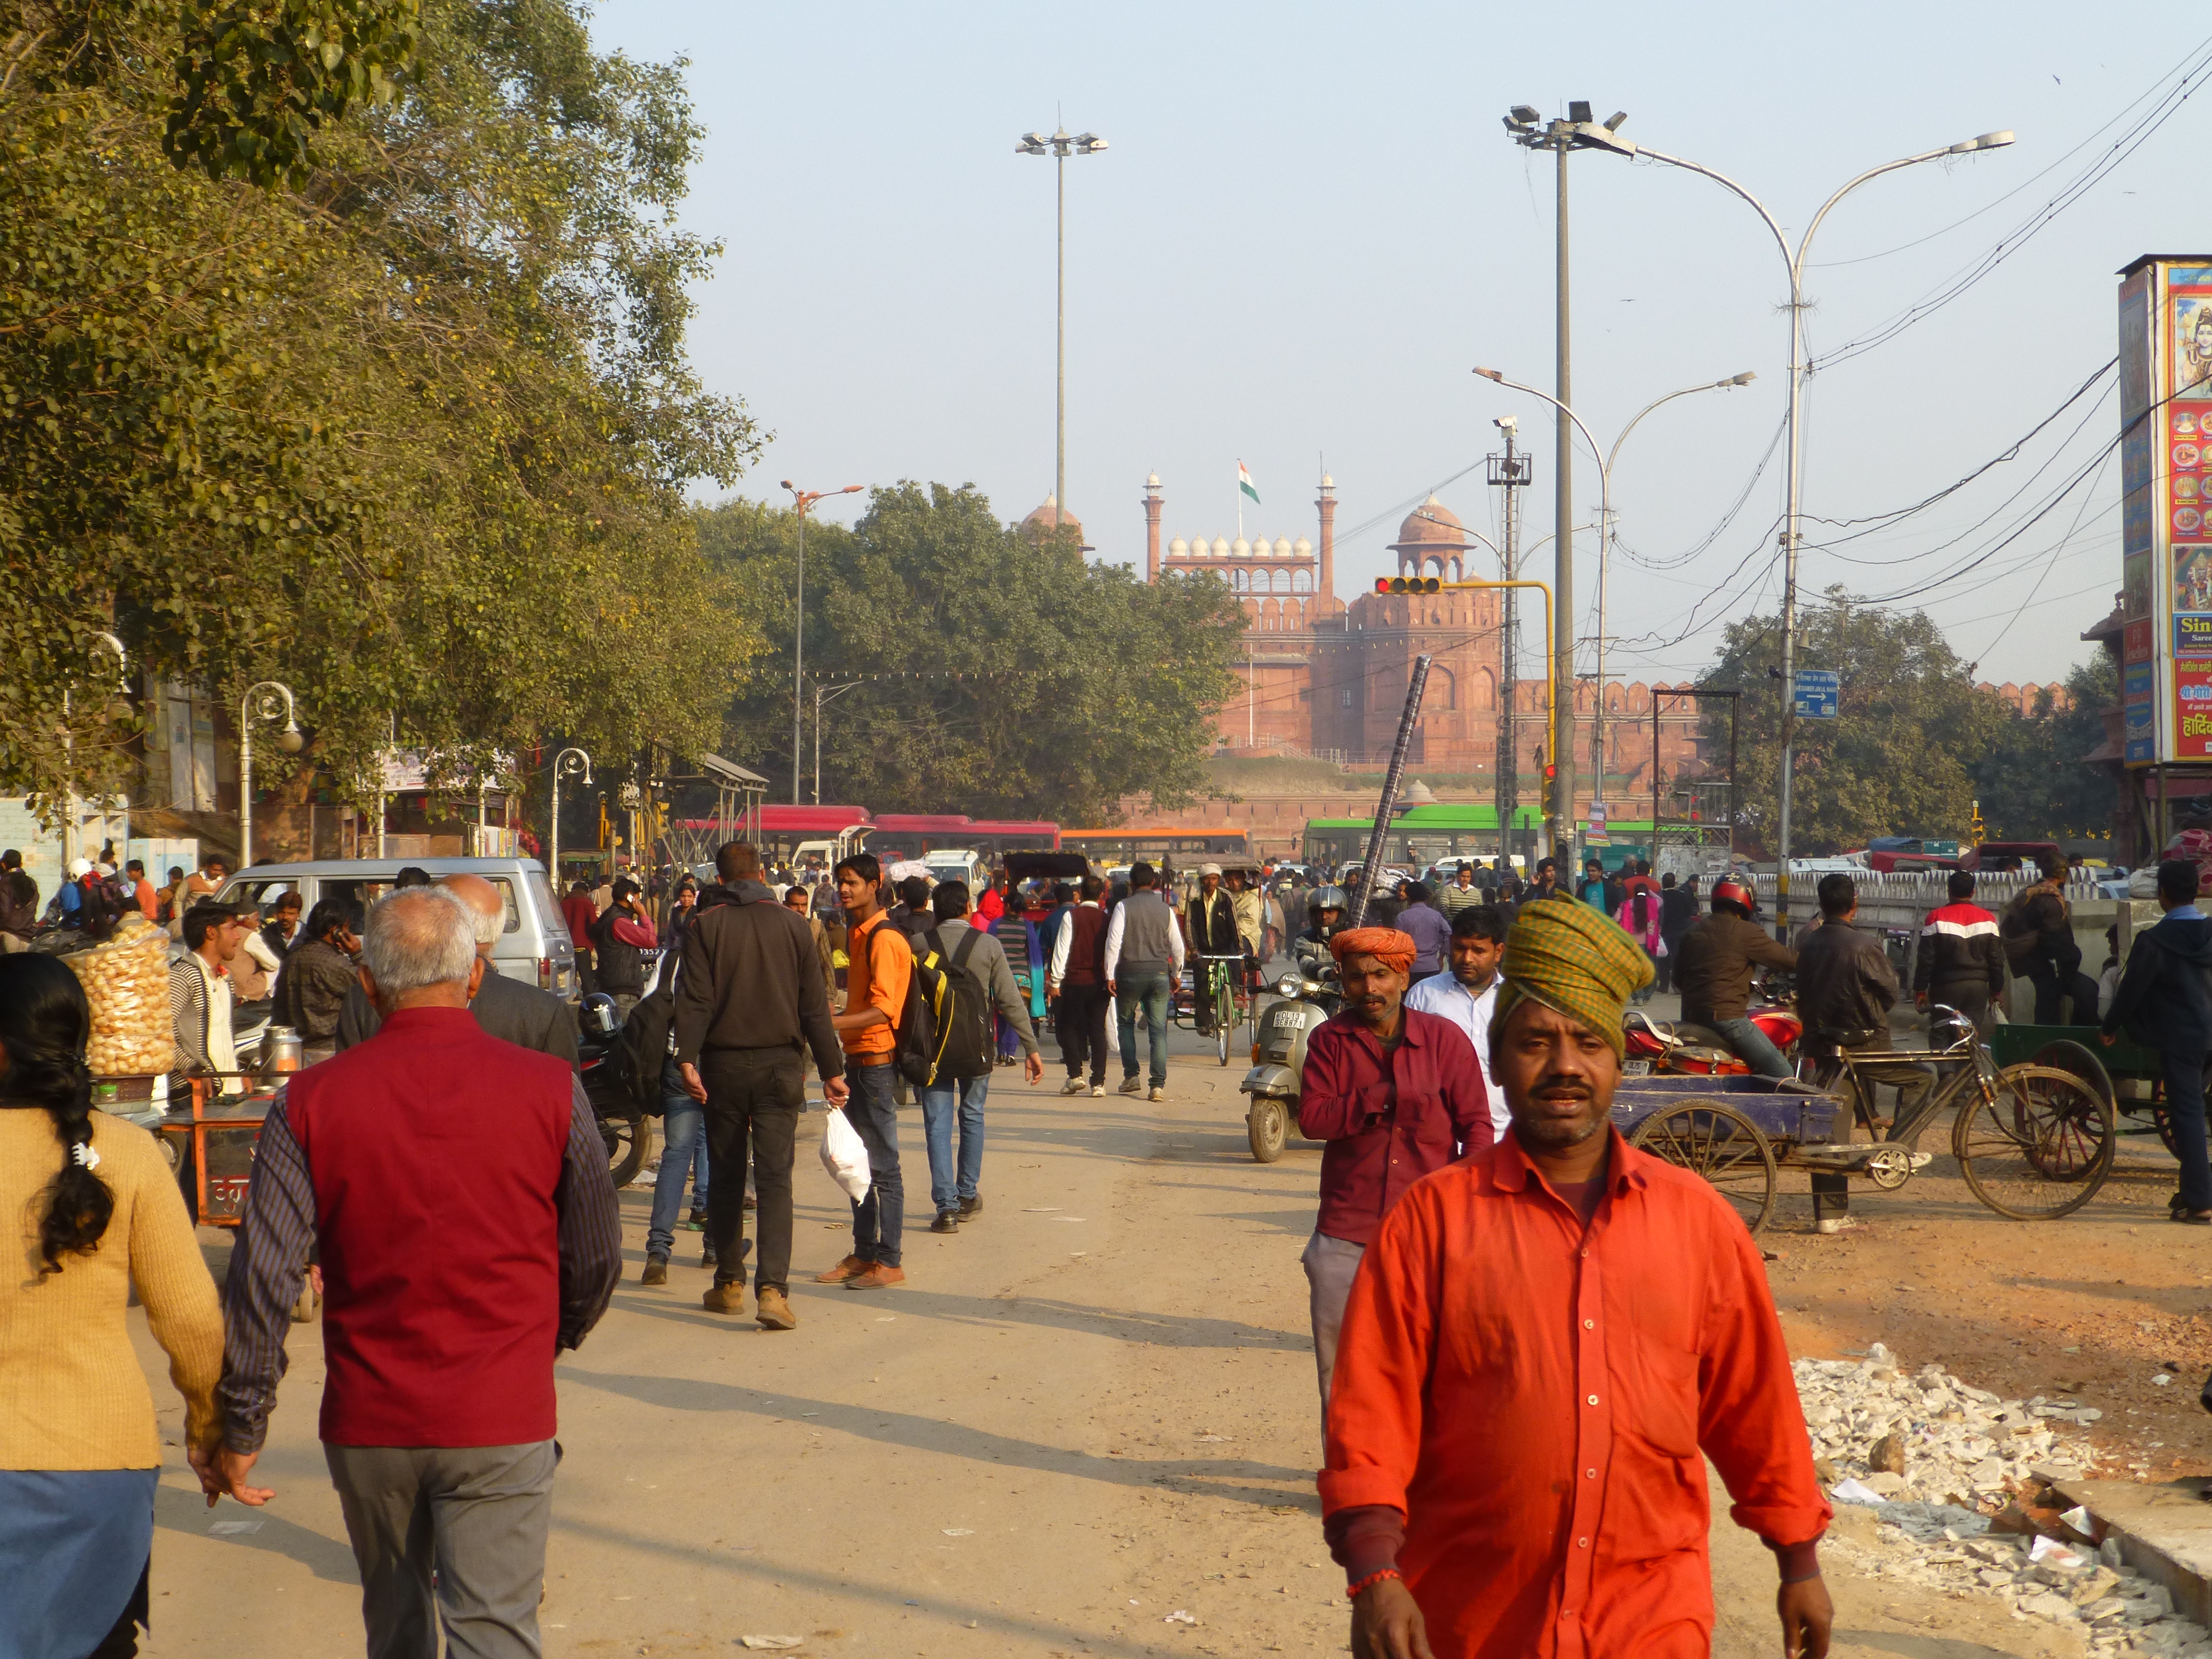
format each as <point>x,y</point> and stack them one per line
<point>266,700</point>
<point>575,763</point>
<point>801,500</point>
<point>1605,565</point>
<point>1794,263</point>
<point>1577,132</point>
<point>1059,146</point>
<point>71,827</point>
<point>1563,632</point>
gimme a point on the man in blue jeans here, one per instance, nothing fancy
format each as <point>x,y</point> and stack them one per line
<point>1144,960</point>
<point>682,1152</point>
<point>2165,1002</point>
<point>976,952</point>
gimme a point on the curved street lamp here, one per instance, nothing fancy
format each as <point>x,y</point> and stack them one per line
<point>1794,263</point>
<point>265,701</point>
<point>575,763</point>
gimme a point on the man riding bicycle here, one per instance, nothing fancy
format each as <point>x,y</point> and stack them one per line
<point>1713,968</point>
<point>1210,925</point>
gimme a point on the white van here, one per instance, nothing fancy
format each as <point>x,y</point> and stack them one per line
<point>956,864</point>
<point>533,947</point>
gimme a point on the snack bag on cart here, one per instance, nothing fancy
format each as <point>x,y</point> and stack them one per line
<point>127,981</point>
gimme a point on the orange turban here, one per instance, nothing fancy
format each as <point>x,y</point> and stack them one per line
<point>1392,949</point>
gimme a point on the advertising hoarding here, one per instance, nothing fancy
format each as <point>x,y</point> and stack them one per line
<point>2166,534</point>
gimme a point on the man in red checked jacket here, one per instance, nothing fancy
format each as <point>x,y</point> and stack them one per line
<point>1395,1094</point>
<point>1545,1343</point>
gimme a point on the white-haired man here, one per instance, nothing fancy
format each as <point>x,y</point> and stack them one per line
<point>458,1190</point>
<point>506,1008</point>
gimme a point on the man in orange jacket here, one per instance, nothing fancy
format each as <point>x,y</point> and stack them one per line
<point>1545,1343</point>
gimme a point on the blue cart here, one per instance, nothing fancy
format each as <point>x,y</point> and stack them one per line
<point>1736,1133</point>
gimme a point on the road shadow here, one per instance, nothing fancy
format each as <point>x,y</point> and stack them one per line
<point>179,1510</point>
<point>1214,1477</point>
<point>1846,1642</point>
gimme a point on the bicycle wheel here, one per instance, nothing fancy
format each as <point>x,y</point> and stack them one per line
<point>2035,1143</point>
<point>1225,1013</point>
<point>1720,1145</point>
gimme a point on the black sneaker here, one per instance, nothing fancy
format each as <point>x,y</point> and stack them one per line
<point>970,1207</point>
<point>707,1257</point>
<point>948,1221</point>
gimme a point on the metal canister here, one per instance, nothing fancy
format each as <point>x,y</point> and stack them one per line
<point>282,1051</point>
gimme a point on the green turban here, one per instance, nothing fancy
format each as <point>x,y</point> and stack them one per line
<point>1575,961</point>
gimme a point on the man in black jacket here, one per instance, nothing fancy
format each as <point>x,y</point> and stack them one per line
<point>749,1004</point>
<point>620,939</point>
<point>1961,960</point>
<point>506,1008</point>
<point>2165,1002</point>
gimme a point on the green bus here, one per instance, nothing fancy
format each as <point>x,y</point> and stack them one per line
<point>1420,835</point>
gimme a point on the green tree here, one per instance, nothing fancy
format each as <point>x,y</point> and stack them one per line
<point>995,673</point>
<point>1896,762</point>
<point>2031,779</point>
<point>408,424</point>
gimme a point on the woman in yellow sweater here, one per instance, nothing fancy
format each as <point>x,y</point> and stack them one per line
<point>96,1211</point>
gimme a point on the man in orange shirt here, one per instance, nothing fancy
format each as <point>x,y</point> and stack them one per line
<point>1545,1343</point>
<point>882,963</point>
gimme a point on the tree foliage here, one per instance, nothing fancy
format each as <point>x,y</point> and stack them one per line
<point>406,425</point>
<point>2030,778</point>
<point>993,672</point>
<point>1896,762</point>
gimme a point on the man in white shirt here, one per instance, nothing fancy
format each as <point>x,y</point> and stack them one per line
<point>1468,996</point>
<point>200,991</point>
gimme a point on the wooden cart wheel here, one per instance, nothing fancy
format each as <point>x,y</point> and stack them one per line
<point>2164,1125</point>
<point>2038,1146</point>
<point>1715,1142</point>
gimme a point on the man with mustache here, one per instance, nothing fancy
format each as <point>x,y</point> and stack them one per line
<point>1395,1094</point>
<point>1545,1343</point>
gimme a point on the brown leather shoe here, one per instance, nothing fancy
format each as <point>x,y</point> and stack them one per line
<point>725,1296</point>
<point>775,1314</point>
<point>851,1267</point>
<point>877,1278</point>
<point>656,1271</point>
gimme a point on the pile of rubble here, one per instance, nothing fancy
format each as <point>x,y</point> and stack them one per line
<point>1944,1485</point>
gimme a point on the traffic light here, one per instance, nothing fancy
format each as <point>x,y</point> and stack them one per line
<point>1977,823</point>
<point>1407,584</point>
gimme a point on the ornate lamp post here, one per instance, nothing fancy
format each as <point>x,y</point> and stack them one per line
<point>264,701</point>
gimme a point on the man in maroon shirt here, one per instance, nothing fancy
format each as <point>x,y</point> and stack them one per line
<point>1396,1093</point>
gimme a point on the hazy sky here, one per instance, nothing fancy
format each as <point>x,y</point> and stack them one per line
<point>1310,226</point>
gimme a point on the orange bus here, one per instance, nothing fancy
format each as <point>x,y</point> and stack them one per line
<point>1158,844</point>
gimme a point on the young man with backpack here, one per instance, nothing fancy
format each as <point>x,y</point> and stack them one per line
<point>882,963</point>
<point>980,978</point>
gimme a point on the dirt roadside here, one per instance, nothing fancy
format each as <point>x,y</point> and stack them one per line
<point>1093,1408</point>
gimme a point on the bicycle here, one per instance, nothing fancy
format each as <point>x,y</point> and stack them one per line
<point>2033,1143</point>
<point>1219,991</point>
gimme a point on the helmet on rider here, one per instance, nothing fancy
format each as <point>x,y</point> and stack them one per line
<point>1325,908</point>
<point>1733,895</point>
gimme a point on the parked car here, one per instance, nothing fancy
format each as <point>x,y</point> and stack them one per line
<point>534,947</point>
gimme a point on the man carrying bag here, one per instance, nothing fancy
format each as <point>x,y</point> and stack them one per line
<point>980,977</point>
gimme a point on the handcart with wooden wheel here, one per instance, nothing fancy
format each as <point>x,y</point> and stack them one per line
<point>2034,1140</point>
<point>2129,1076</point>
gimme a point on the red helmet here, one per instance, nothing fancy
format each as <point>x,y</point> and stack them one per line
<point>1729,890</point>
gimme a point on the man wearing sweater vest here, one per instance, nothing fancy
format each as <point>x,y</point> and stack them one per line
<point>457,1190</point>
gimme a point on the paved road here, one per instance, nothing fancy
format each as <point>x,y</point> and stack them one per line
<point>1092,1408</point>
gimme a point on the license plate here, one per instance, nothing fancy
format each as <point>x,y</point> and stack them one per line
<point>1286,1020</point>
<point>1637,1068</point>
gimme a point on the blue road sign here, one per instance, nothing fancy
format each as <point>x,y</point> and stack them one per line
<point>1817,695</point>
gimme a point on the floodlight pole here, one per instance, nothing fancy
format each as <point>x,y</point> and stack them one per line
<point>1059,145</point>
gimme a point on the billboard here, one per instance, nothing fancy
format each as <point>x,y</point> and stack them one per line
<point>2165,508</point>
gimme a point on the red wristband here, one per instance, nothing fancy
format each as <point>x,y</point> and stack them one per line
<point>1352,1591</point>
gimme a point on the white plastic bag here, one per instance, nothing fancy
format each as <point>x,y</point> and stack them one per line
<point>845,1155</point>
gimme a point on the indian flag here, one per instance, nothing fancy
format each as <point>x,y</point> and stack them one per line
<point>1244,482</point>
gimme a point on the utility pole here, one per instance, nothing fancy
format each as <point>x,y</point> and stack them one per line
<point>1508,472</point>
<point>1059,145</point>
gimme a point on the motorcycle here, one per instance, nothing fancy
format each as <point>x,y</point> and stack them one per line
<point>622,1125</point>
<point>1684,1050</point>
<point>1304,999</point>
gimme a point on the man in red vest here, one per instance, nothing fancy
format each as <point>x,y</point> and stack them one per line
<point>457,1190</point>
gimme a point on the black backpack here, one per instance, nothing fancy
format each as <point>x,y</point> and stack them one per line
<point>923,1027</point>
<point>642,1048</point>
<point>971,1046</point>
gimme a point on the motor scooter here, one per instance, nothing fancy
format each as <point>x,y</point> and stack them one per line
<point>622,1125</point>
<point>1304,999</point>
